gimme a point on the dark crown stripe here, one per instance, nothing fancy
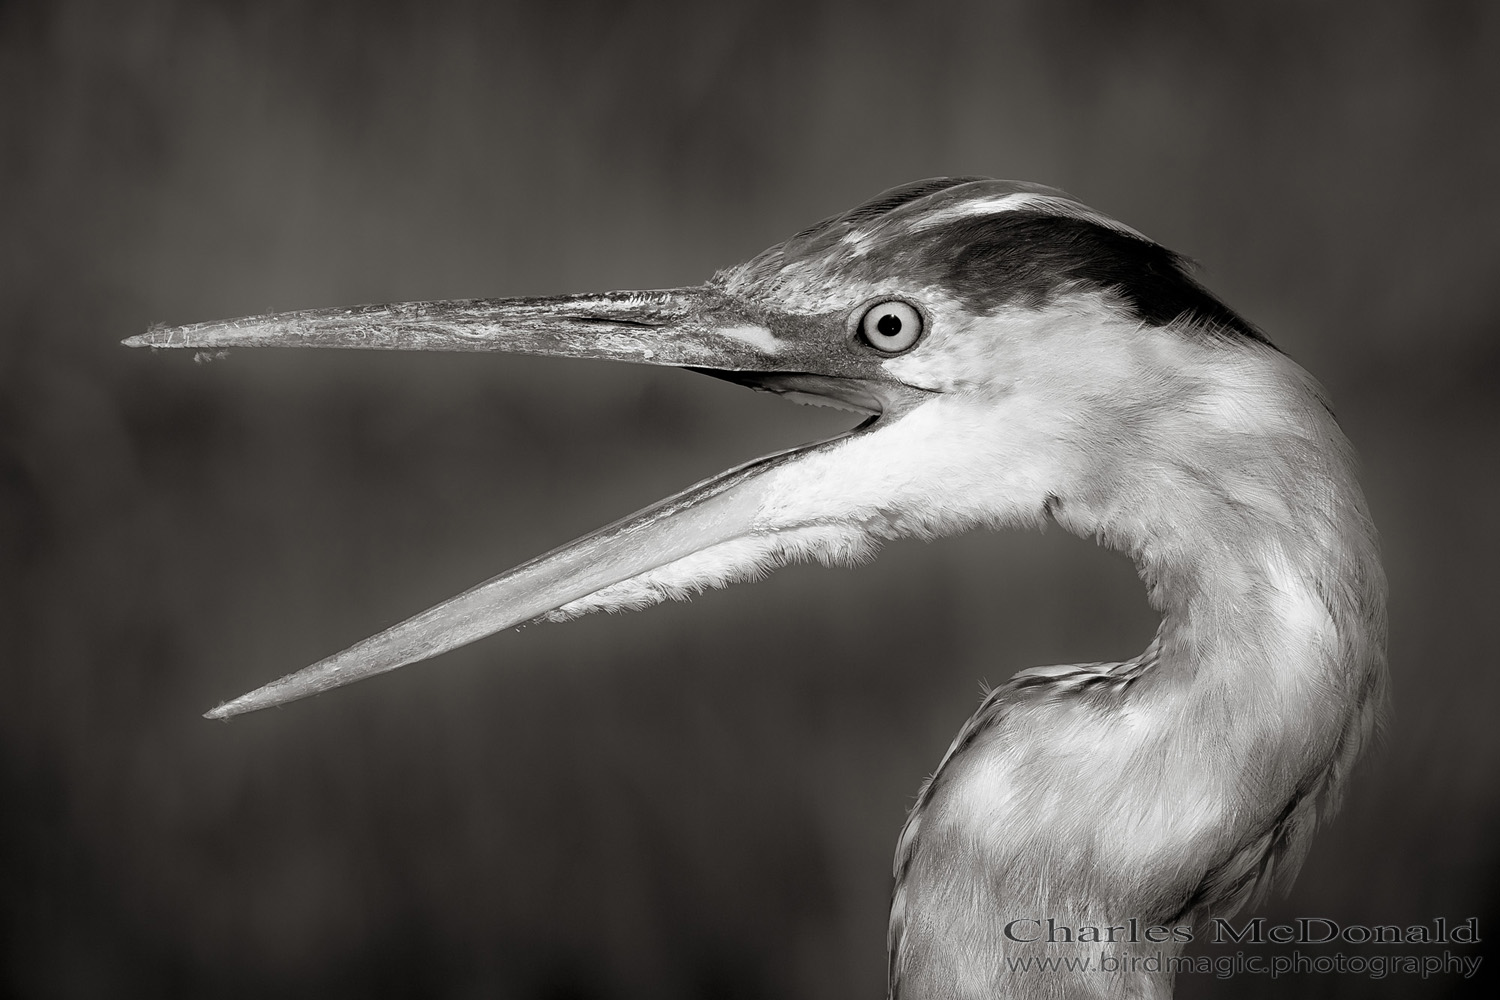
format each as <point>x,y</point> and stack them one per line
<point>1028,257</point>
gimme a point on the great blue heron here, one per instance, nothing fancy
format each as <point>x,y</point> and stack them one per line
<point>1019,357</point>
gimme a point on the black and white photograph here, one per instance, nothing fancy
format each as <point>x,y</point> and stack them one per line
<point>820,500</point>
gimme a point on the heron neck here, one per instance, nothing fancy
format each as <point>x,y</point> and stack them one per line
<point>1173,786</point>
<point>1245,520</point>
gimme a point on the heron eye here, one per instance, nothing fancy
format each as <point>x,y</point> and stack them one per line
<point>891,326</point>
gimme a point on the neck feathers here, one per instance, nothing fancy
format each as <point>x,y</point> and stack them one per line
<point>1243,513</point>
<point>1182,783</point>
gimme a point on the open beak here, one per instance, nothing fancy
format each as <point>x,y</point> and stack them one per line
<point>734,526</point>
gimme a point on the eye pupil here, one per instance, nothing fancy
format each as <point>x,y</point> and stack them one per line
<point>888,325</point>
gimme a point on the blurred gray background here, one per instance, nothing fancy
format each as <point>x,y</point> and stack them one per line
<point>699,800</point>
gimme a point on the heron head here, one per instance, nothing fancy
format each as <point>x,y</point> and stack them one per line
<point>1004,343</point>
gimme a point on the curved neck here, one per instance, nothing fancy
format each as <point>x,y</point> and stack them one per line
<point>1241,509</point>
<point>1243,514</point>
<point>1174,786</point>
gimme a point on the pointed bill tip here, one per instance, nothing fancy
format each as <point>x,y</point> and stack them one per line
<point>334,671</point>
<point>257,699</point>
<point>161,335</point>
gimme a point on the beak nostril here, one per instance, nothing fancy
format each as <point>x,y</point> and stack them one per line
<point>611,321</point>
